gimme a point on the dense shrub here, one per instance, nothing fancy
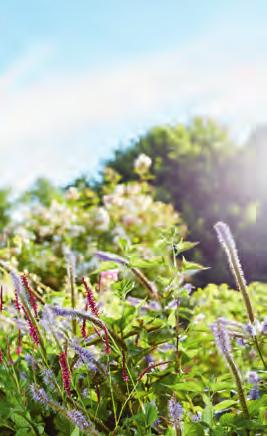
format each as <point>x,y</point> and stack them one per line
<point>53,222</point>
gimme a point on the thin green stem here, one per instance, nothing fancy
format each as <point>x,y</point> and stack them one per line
<point>257,345</point>
<point>235,372</point>
<point>177,330</point>
<point>125,403</point>
<point>73,298</point>
<point>111,392</point>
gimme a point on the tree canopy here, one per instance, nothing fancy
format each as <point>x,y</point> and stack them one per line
<point>207,176</point>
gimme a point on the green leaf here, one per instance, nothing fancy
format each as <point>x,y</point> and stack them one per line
<point>19,420</point>
<point>105,266</point>
<point>123,287</point>
<point>207,415</point>
<point>224,405</point>
<point>151,414</point>
<point>172,319</point>
<point>184,246</point>
<point>76,432</point>
<point>227,419</point>
<point>170,431</point>
<point>187,386</point>
<point>221,385</point>
<point>193,429</point>
<point>190,268</point>
<point>146,263</point>
<point>23,432</point>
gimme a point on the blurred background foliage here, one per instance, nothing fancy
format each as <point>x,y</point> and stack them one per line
<point>195,167</point>
<point>208,177</point>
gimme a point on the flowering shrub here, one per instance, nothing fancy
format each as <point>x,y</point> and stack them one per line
<point>124,215</point>
<point>103,333</point>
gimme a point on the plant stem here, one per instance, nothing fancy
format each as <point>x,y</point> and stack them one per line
<point>238,381</point>
<point>111,393</point>
<point>259,351</point>
<point>177,329</point>
<point>73,299</point>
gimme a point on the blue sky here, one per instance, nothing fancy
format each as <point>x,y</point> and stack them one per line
<point>79,78</point>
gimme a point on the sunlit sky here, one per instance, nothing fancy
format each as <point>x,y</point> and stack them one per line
<point>79,78</point>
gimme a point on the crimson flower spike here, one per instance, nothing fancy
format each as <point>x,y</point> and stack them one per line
<point>90,298</point>
<point>32,330</point>
<point>1,356</point>
<point>1,299</point>
<point>83,327</point>
<point>32,299</point>
<point>65,372</point>
<point>16,301</point>
<point>106,340</point>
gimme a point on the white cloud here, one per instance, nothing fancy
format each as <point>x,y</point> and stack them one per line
<point>39,116</point>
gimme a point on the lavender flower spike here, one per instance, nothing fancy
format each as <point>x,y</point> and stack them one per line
<point>78,419</point>
<point>264,326</point>
<point>105,256</point>
<point>17,282</point>
<point>254,379</point>
<point>221,337</point>
<point>39,395</point>
<point>71,263</point>
<point>84,354</point>
<point>227,241</point>
<point>73,313</point>
<point>223,343</point>
<point>175,411</point>
<point>48,378</point>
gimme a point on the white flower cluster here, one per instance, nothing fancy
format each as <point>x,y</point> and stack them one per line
<point>142,164</point>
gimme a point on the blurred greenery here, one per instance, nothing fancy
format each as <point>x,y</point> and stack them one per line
<point>208,177</point>
<point>5,207</point>
<point>202,172</point>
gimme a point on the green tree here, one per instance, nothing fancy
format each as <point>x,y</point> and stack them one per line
<point>199,169</point>
<point>5,207</point>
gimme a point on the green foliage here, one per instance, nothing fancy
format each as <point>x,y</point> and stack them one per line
<point>207,177</point>
<point>132,252</point>
<point>5,208</point>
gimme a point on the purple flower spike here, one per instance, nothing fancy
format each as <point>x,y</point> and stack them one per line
<point>175,411</point>
<point>254,393</point>
<point>48,378</point>
<point>221,337</point>
<point>78,419</point>
<point>85,355</point>
<point>196,417</point>
<point>17,282</point>
<point>250,329</point>
<point>254,379</point>
<point>240,342</point>
<point>110,257</point>
<point>264,326</point>
<point>39,395</point>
